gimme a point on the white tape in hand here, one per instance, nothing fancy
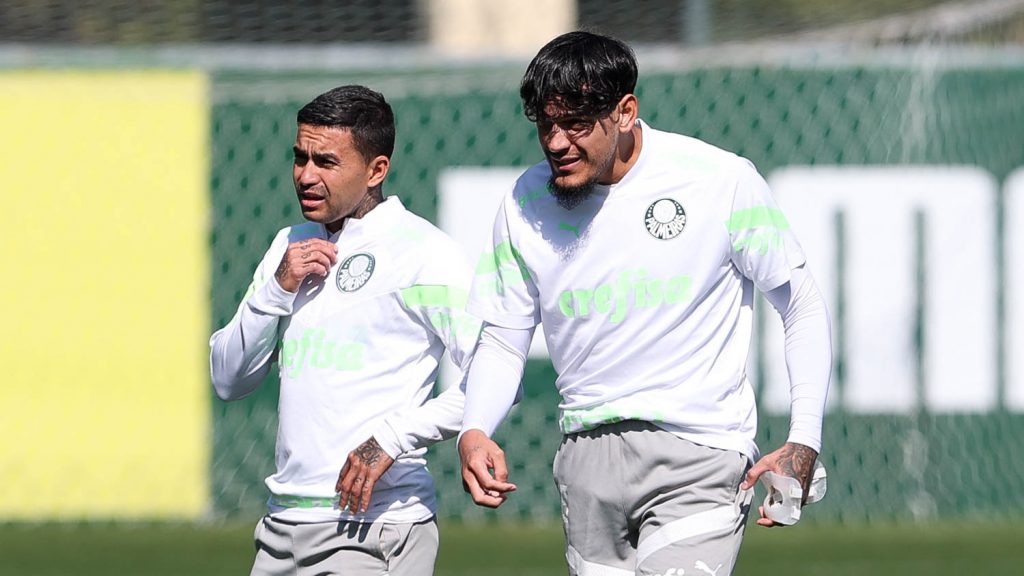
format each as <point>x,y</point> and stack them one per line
<point>782,504</point>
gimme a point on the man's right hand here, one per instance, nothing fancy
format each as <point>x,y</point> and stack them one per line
<point>484,473</point>
<point>305,257</point>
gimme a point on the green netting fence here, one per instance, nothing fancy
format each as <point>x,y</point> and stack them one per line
<point>776,115</point>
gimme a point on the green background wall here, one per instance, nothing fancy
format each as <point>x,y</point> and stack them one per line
<point>776,116</point>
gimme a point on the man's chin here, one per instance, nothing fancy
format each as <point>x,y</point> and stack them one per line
<point>567,194</point>
<point>314,215</point>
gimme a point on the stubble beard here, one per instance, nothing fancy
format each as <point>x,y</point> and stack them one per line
<point>569,197</point>
<point>334,222</point>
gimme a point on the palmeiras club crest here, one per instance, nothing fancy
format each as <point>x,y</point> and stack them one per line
<point>355,272</point>
<point>665,219</point>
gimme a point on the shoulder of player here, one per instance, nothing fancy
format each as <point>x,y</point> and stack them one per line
<point>430,246</point>
<point>420,230</point>
<point>693,159</point>
<point>691,154</point>
<point>531,185</point>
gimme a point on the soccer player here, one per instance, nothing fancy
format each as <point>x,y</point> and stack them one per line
<point>639,251</point>
<point>356,306</point>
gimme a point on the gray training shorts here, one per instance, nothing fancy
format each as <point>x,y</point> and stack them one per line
<point>639,500</point>
<point>347,548</point>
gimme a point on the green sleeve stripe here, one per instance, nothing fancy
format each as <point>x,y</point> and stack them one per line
<point>504,260</point>
<point>257,282</point>
<point>757,217</point>
<point>424,295</point>
<point>487,264</point>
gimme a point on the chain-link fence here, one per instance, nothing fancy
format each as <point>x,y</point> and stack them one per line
<point>854,114</point>
<point>381,22</point>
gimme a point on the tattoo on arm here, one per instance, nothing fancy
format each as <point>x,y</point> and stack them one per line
<point>370,452</point>
<point>282,269</point>
<point>797,460</point>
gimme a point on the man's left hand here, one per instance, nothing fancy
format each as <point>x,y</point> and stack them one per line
<point>793,460</point>
<point>364,466</point>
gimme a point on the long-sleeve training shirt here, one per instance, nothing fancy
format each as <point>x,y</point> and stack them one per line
<point>358,354</point>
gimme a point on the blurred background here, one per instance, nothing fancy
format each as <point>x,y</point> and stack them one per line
<point>145,167</point>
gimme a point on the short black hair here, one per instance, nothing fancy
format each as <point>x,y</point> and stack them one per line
<point>582,72</point>
<point>362,111</point>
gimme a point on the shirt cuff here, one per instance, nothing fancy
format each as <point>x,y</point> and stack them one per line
<point>272,299</point>
<point>388,440</point>
<point>810,440</point>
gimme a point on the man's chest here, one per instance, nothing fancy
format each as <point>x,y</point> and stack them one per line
<point>660,235</point>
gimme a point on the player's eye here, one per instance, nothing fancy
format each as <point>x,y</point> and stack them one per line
<point>572,127</point>
<point>325,161</point>
<point>578,127</point>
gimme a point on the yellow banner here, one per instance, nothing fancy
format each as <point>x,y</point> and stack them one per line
<point>104,206</point>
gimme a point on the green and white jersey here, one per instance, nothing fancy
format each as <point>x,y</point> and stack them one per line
<point>645,289</point>
<point>358,353</point>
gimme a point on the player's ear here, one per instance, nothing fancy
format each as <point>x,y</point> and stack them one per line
<point>377,170</point>
<point>629,111</point>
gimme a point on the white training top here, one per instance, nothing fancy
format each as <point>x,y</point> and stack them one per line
<point>645,289</point>
<point>358,354</point>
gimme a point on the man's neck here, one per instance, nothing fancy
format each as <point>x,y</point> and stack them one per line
<point>372,199</point>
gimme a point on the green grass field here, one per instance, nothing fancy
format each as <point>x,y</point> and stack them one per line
<point>523,550</point>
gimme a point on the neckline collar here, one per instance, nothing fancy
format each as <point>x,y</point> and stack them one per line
<point>380,213</point>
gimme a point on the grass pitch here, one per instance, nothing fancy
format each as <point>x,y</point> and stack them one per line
<point>126,549</point>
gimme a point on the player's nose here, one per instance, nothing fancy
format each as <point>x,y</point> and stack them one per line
<point>306,175</point>
<point>557,142</point>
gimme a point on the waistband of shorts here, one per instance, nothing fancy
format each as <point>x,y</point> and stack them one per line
<point>288,501</point>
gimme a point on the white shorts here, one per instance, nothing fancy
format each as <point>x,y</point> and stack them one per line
<point>639,500</point>
<point>349,548</point>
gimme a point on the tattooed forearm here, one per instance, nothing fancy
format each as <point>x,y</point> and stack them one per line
<point>370,452</point>
<point>282,269</point>
<point>797,460</point>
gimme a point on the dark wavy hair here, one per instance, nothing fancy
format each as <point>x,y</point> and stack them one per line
<point>362,111</point>
<point>583,73</point>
